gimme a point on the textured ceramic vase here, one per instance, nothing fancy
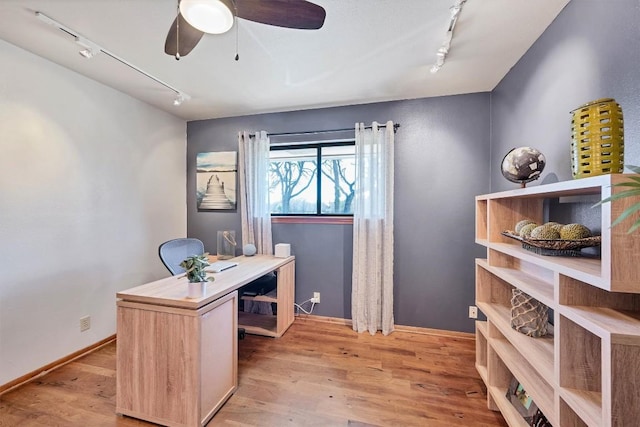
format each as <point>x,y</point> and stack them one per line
<point>597,139</point>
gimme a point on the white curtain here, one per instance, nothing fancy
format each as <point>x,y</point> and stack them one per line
<point>254,191</point>
<point>372,281</point>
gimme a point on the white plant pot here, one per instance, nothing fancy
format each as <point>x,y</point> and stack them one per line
<point>196,290</point>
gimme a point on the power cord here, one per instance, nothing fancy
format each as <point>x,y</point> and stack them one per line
<point>299,306</point>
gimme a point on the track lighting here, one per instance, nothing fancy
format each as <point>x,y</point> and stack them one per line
<point>443,51</point>
<point>91,49</point>
<point>208,16</point>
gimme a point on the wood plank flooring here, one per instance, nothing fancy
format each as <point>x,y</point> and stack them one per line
<point>317,374</point>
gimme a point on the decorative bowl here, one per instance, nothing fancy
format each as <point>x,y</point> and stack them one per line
<point>555,247</point>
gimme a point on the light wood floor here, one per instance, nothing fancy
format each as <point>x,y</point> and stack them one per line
<point>317,374</point>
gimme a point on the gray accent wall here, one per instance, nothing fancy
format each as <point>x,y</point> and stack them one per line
<point>590,51</point>
<point>441,163</point>
<point>448,150</point>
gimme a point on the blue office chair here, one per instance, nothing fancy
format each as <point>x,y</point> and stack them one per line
<point>173,252</point>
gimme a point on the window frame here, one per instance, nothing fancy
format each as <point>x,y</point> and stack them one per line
<point>318,217</point>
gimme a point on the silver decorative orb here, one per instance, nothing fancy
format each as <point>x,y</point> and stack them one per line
<point>249,249</point>
<point>523,164</point>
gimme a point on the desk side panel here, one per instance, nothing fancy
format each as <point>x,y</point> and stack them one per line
<point>157,366</point>
<point>219,348</point>
<point>286,296</point>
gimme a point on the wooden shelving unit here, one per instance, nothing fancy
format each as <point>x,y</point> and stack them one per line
<point>584,373</point>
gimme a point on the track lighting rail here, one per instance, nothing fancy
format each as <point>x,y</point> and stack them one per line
<point>90,49</point>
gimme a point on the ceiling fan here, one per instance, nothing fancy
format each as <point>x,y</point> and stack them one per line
<point>196,17</point>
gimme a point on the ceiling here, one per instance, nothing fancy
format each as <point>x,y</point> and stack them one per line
<point>367,51</point>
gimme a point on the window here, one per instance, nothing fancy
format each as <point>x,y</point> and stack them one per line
<point>297,186</point>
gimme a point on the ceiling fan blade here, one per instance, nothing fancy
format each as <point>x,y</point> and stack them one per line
<point>189,38</point>
<point>299,14</point>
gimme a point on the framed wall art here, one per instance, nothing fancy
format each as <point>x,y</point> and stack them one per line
<point>216,178</point>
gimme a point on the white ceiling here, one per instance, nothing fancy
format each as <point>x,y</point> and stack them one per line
<point>367,51</point>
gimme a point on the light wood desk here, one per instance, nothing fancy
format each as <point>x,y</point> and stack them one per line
<point>177,358</point>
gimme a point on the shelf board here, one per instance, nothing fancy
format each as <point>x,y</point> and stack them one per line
<point>535,384</point>
<point>482,370</point>
<point>539,351</point>
<point>481,360</point>
<point>588,270</point>
<point>483,242</point>
<point>509,412</point>
<point>259,298</point>
<point>534,286</point>
<point>576,187</point>
<point>586,404</point>
<point>481,326</point>
<point>623,327</point>
<point>258,324</point>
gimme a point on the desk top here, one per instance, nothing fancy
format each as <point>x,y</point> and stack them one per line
<point>172,291</point>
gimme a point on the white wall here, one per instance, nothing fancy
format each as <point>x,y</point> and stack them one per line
<point>91,182</point>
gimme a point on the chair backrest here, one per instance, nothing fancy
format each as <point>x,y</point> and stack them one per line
<point>173,252</point>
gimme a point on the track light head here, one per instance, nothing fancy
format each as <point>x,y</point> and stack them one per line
<point>443,51</point>
<point>180,98</point>
<point>90,48</point>
<point>87,53</point>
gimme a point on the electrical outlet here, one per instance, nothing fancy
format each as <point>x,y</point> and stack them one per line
<point>85,323</point>
<point>316,298</point>
<point>473,312</point>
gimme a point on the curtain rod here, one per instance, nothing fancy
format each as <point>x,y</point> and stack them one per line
<point>314,132</point>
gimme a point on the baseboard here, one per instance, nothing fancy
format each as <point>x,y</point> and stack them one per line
<point>324,319</point>
<point>54,365</point>
<point>398,328</point>
<point>436,332</point>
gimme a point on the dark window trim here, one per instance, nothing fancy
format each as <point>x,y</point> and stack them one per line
<point>293,218</point>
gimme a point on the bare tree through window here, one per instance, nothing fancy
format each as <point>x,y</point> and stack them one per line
<point>291,179</point>
<point>312,179</point>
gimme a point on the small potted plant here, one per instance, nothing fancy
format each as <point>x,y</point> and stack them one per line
<point>194,267</point>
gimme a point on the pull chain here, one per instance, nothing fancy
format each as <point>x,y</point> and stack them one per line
<point>235,18</point>
<point>178,32</point>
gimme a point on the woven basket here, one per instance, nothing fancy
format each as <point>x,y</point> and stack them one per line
<point>528,315</point>
<point>597,139</point>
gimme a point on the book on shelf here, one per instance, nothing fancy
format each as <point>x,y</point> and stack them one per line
<point>521,400</point>
<point>539,420</point>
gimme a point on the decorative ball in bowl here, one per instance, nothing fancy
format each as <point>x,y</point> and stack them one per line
<point>523,164</point>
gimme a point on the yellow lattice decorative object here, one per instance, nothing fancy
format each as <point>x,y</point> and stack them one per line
<point>597,139</point>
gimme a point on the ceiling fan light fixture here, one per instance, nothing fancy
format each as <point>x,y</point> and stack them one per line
<point>208,16</point>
